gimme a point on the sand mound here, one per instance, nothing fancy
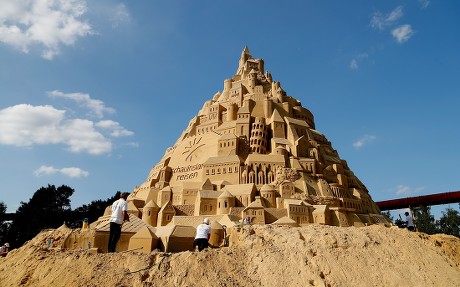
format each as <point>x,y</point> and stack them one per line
<point>258,256</point>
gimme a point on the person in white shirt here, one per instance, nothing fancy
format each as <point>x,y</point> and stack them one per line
<point>119,215</point>
<point>203,232</point>
<point>409,222</point>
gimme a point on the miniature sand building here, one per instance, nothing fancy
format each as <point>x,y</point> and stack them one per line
<point>252,150</point>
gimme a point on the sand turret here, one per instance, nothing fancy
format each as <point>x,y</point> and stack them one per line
<point>268,192</point>
<point>225,202</point>
<point>258,140</point>
<point>150,213</point>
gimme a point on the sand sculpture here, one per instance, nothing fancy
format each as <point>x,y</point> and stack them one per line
<point>252,152</point>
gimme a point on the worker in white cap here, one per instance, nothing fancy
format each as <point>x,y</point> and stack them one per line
<point>203,232</point>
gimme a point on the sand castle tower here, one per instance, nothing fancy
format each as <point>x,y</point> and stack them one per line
<point>225,202</point>
<point>261,147</point>
<point>150,213</point>
<point>258,140</point>
<point>268,192</point>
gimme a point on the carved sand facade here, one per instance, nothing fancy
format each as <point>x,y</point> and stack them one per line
<point>253,151</point>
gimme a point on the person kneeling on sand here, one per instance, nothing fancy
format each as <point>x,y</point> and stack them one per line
<point>203,233</point>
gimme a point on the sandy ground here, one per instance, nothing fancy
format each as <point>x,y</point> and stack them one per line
<point>258,256</point>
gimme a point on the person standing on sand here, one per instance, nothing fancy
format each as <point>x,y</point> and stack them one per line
<point>119,215</point>
<point>203,232</point>
<point>409,222</point>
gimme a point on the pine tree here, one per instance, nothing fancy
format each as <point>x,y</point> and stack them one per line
<point>4,225</point>
<point>48,208</point>
<point>424,220</point>
<point>449,223</point>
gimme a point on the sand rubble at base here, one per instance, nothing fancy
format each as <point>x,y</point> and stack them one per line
<point>258,256</point>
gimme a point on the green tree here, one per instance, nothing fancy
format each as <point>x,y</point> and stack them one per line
<point>424,220</point>
<point>91,211</point>
<point>449,223</point>
<point>48,208</point>
<point>4,225</point>
<point>387,214</point>
<point>2,208</point>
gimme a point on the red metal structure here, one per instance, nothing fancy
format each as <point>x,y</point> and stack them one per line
<point>424,200</point>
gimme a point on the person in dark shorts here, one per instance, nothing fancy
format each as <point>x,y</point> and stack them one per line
<point>203,232</point>
<point>119,215</point>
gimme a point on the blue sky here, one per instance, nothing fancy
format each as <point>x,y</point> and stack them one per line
<point>93,92</point>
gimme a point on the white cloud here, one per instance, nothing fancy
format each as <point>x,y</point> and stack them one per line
<point>48,24</point>
<point>354,64</point>
<point>120,15</point>
<point>402,189</point>
<point>24,125</point>
<point>45,170</point>
<point>363,141</point>
<point>402,33</point>
<point>424,3</point>
<point>97,107</point>
<point>406,190</point>
<point>381,21</point>
<point>133,144</point>
<point>27,125</point>
<point>394,15</point>
<point>73,172</point>
<point>114,128</point>
<point>81,136</point>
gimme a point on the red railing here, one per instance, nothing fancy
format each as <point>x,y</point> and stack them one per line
<point>424,200</point>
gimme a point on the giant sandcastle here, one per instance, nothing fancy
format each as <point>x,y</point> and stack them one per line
<point>252,155</point>
<point>253,151</point>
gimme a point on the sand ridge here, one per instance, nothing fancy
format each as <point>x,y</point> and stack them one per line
<point>314,255</point>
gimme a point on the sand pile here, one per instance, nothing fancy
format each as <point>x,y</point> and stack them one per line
<point>258,256</point>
